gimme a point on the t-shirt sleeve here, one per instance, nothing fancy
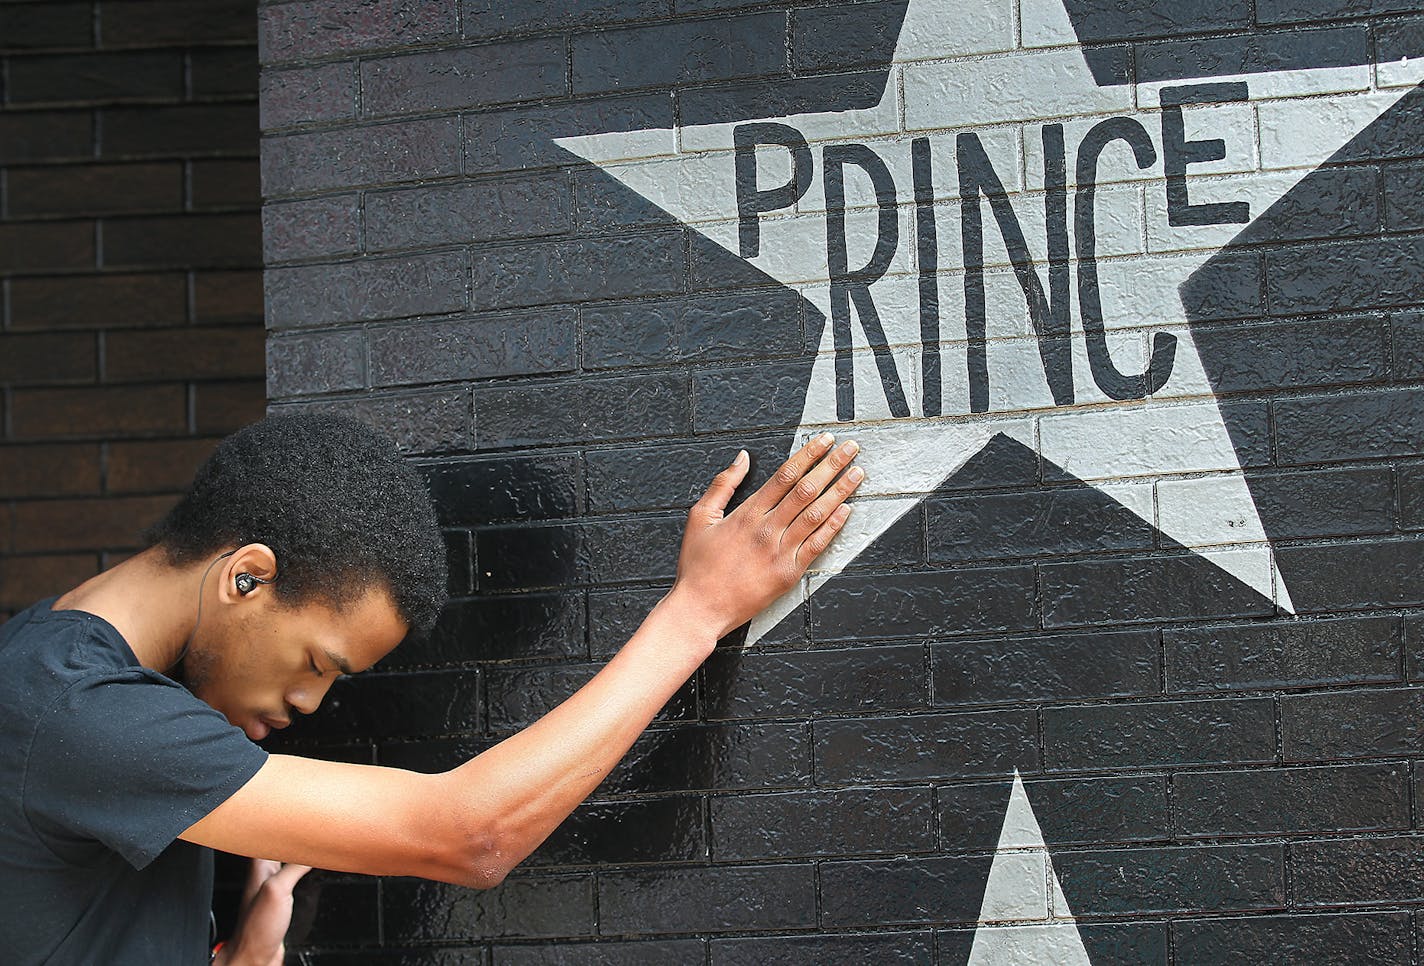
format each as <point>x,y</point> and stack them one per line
<point>130,758</point>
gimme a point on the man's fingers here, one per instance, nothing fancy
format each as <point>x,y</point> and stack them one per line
<point>791,472</point>
<point>290,875</point>
<point>811,487</point>
<point>723,485</point>
<point>809,520</point>
<point>814,545</point>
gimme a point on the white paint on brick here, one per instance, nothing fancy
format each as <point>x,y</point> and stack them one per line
<point>1404,72</point>
<point>942,83</point>
<point>1207,511</point>
<point>1021,923</point>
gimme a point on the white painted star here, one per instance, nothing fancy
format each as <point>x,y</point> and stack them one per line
<point>1005,72</point>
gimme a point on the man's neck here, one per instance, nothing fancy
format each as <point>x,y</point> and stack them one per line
<point>150,602</point>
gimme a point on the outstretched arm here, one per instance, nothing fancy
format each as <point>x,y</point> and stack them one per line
<point>472,824</point>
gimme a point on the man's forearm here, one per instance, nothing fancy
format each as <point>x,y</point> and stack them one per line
<point>534,779</point>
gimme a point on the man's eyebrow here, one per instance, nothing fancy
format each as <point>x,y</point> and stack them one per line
<point>341,663</point>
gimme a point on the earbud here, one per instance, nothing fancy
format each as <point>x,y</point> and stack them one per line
<point>246,583</point>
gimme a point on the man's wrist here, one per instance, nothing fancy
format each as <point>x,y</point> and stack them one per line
<point>690,619</point>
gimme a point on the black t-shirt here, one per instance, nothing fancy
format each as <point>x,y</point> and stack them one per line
<point>103,763</point>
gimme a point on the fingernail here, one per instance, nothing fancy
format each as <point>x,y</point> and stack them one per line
<point>741,458</point>
<point>826,439</point>
<point>850,447</point>
<point>856,474</point>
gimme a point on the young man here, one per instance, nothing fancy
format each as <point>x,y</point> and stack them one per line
<point>306,549</point>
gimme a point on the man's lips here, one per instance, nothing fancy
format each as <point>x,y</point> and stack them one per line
<point>264,726</point>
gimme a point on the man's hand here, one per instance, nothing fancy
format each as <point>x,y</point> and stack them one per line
<point>733,565</point>
<point>265,914</point>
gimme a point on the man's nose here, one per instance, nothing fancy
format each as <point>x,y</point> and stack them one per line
<point>307,697</point>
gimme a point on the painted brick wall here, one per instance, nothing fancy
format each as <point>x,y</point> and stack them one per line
<point>1120,662</point>
<point>130,256</point>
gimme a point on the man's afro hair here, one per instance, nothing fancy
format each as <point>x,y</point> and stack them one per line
<point>333,499</point>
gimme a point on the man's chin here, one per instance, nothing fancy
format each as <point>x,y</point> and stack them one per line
<point>257,730</point>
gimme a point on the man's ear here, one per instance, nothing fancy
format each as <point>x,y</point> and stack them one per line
<point>255,559</point>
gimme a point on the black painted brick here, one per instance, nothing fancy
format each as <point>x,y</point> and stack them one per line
<point>316,28</point>
<point>605,551</point>
<point>464,77</point>
<point>490,18</point>
<point>520,696</point>
<point>1228,287</point>
<point>613,616</point>
<point>527,906</point>
<point>1129,21</point>
<point>849,35</point>
<point>519,139</point>
<point>616,833</point>
<point>418,422</point>
<point>1377,937</point>
<point>311,228</point>
<point>411,705</point>
<point>918,604</point>
<point>1299,11</point>
<point>582,409</point>
<point>315,363</point>
<point>1357,871</point>
<point>1352,724</point>
<point>1403,207</point>
<point>522,627</point>
<point>1170,879</point>
<point>808,683</point>
<point>845,822</point>
<point>1055,521</point>
<point>925,746</point>
<point>691,757</point>
<point>542,272</point>
<point>1251,53</point>
<point>1354,576</point>
<point>1322,503</point>
<point>1345,276</point>
<point>891,949</point>
<point>475,348</point>
<point>680,53</point>
<point>696,329</point>
<point>1070,811</point>
<point>1407,343</point>
<point>1288,355</point>
<point>887,891</point>
<point>1282,654</point>
<point>430,215</point>
<point>1352,425</point>
<point>302,95</point>
<point>1046,667</point>
<point>489,489</point>
<point>739,100</point>
<point>662,475</point>
<point>378,153</point>
<point>386,288</point>
<point>1160,587</point>
<point>657,952</point>
<point>1166,733</point>
<point>766,395</point>
<point>1292,801</point>
<point>707,899</point>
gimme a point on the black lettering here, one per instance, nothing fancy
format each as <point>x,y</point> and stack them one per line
<point>927,243</point>
<point>1049,314</point>
<point>1164,345</point>
<point>751,200</point>
<point>853,287</point>
<point>1178,152</point>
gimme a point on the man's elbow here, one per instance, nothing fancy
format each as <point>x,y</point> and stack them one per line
<point>476,858</point>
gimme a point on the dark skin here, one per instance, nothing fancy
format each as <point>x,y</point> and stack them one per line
<point>258,659</point>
